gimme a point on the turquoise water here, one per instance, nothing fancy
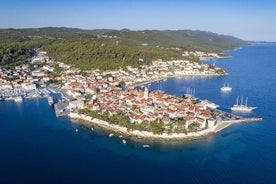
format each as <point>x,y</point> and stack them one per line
<point>37,147</point>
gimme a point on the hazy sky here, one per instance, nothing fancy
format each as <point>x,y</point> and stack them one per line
<point>246,19</point>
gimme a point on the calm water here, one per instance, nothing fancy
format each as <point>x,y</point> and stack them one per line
<point>37,147</point>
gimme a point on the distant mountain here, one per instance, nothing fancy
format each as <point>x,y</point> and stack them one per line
<point>185,39</point>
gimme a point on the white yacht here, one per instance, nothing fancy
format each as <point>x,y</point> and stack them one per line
<point>50,100</point>
<point>18,99</point>
<point>242,107</point>
<point>226,88</point>
<point>207,103</point>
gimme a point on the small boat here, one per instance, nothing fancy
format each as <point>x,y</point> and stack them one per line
<point>110,135</point>
<point>124,141</point>
<point>120,136</point>
<point>76,130</point>
<point>50,101</point>
<point>226,88</point>
<point>18,99</point>
<point>92,128</point>
<point>146,146</point>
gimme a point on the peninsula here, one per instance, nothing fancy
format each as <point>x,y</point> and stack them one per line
<point>97,80</point>
<point>108,98</point>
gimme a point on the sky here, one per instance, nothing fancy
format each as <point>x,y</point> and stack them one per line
<point>253,20</point>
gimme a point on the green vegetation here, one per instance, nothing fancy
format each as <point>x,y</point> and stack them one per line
<point>156,127</point>
<point>194,127</point>
<point>109,49</point>
<point>91,55</point>
<point>14,54</point>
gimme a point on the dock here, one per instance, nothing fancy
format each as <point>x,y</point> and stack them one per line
<point>244,120</point>
<point>60,108</point>
<point>225,123</point>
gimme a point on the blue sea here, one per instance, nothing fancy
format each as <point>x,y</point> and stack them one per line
<point>36,147</point>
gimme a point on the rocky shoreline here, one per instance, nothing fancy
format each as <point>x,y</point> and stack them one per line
<point>89,121</point>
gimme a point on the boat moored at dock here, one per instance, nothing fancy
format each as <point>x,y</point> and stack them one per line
<point>18,99</point>
<point>50,101</point>
<point>208,104</point>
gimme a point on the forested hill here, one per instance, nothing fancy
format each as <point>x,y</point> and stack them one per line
<point>93,55</point>
<point>187,39</point>
<point>109,49</point>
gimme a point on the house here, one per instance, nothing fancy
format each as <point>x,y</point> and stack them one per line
<point>38,73</point>
<point>28,86</point>
<point>76,104</point>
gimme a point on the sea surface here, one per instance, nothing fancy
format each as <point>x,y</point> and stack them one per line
<point>36,147</point>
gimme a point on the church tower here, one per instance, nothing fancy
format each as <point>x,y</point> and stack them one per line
<point>146,93</point>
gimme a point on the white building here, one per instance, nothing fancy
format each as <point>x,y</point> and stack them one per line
<point>28,86</point>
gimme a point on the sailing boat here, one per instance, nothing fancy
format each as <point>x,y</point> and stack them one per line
<point>190,93</point>
<point>242,107</point>
<point>160,88</point>
<point>226,88</point>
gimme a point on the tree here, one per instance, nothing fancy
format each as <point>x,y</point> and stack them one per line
<point>122,84</point>
<point>157,127</point>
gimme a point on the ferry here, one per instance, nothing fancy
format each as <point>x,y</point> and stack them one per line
<point>226,88</point>
<point>242,107</point>
<point>18,99</point>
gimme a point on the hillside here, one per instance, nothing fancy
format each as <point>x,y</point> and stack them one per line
<point>200,40</point>
<point>115,48</point>
<point>92,55</point>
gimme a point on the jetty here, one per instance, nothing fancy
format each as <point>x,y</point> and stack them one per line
<point>225,123</point>
<point>245,120</point>
<point>60,108</point>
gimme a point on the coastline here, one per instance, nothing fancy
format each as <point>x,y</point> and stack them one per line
<point>173,76</point>
<point>145,135</point>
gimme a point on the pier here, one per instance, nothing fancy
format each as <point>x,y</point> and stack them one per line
<point>225,123</point>
<point>60,108</point>
<point>244,120</point>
